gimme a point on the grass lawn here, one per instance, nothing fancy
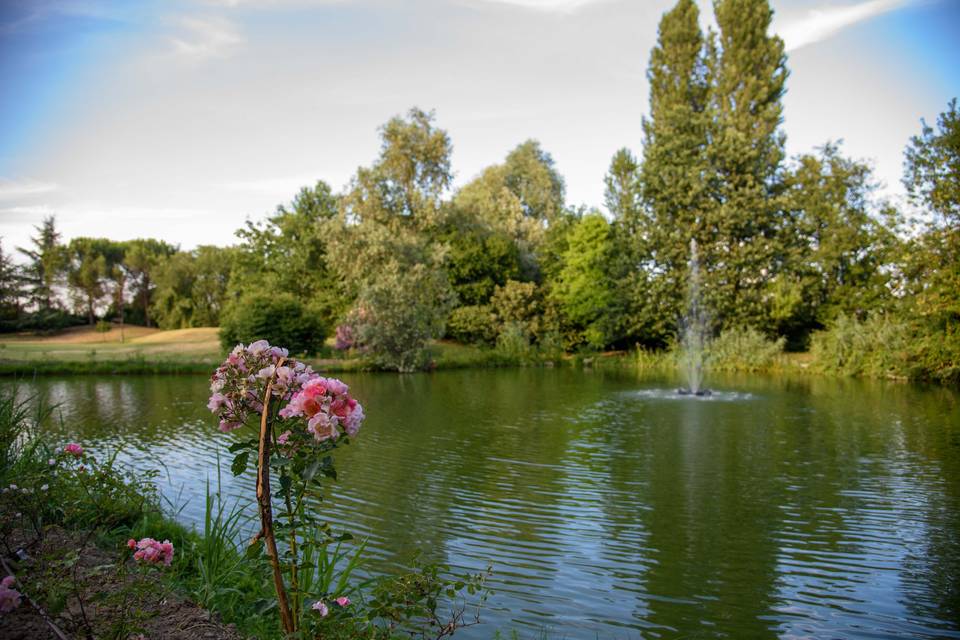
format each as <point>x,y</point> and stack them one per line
<point>142,350</point>
<point>84,350</point>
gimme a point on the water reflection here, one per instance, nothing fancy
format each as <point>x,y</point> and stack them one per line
<point>609,507</point>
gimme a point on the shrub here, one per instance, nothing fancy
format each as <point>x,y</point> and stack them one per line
<point>275,317</point>
<point>514,342</point>
<point>879,347</point>
<point>398,313</point>
<point>474,324</point>
<point>743,349</point>
<point>518,303</point>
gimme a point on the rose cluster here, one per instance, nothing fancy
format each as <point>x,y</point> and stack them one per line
<point>9,597</point>
<point>239,384</point>
<point>327,407</point>
<point>150,551</point>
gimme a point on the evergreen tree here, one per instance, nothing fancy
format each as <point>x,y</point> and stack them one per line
<point>11,291</point>
<point>746,151</point>
<point>47,262</point>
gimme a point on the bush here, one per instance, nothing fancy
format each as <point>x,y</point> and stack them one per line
<point>277,318</point>
<point>878,347</point>
<point>398,313</point>
<point>514,342</point>
<point>475,324</point>
<point>743,349</point>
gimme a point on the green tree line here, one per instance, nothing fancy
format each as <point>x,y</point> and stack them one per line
<point>800,250</point>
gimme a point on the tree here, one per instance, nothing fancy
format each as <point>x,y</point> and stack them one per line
<point>47,262</point>
<point>622,196</point>
<point>932,167</point>
<point>520,199</point>
<point>141,259</point>
<point>87,272</point>
<point>932,265</point>
<point>389,222</point>
<point>11,291</point>
<point>278,318</point>
<point>398,313</point>
<point>191,287</point>
<point>478,260</point>
<point>585,287</point>
<point>288,253</point>
<point>673,175</point>
<point>748,70</point>
<point>836,247</point>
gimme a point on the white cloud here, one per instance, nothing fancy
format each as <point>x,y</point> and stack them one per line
<point>207,38</point>
<point>284,187</point>
<point>821,23</point>
<point>15,189</point>
<point>559,6</point>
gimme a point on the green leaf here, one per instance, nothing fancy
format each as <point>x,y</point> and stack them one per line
<point>244,444</point>
<point>240,463</point>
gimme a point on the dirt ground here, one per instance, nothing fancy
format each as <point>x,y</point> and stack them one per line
<point>155,612</point>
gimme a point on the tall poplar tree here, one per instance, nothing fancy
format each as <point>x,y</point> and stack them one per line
<point>674,166</point>
<point>748,70</point>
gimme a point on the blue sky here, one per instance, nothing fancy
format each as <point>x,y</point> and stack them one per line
<point>180,119</point>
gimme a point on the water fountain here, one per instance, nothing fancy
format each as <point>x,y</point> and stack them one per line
<point>694,332</point>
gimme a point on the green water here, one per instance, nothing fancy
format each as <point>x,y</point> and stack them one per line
<point>609,507</point>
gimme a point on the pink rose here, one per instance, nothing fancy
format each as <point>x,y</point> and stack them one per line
<point>73,449</point>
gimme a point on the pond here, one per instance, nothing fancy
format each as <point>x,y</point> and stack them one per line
<point>609,507</point>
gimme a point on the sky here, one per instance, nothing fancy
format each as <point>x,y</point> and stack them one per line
<point>181,119</point>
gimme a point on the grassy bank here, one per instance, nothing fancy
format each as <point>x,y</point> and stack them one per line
<point>83,351</point>
<point>187,351</point>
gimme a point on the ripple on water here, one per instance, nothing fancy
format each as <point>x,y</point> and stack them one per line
<point>609,511</point>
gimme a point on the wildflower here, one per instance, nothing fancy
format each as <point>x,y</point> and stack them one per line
<point>152,552</point>
<point>283,437</point>
<point>320,608</point>
<point>44,487</point>
<point>343,601</point>
<point>13,487</point>
<point>51,462</point>
<point>131,544</point>
<point>73,449</point>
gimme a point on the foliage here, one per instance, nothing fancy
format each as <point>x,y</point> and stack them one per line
<point>273,317</point>
<point>932,174</point>
<point>397,315</point>
<point>287,253</point>
<point>474,324</point>
<point>46,264</point>
<point>191,287</point>
<point>518,304</point>
<point>479,260</point>
<point>879,346</point>
<point>585,288</point>
<point>743,349</point>
<point>837,247</point>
